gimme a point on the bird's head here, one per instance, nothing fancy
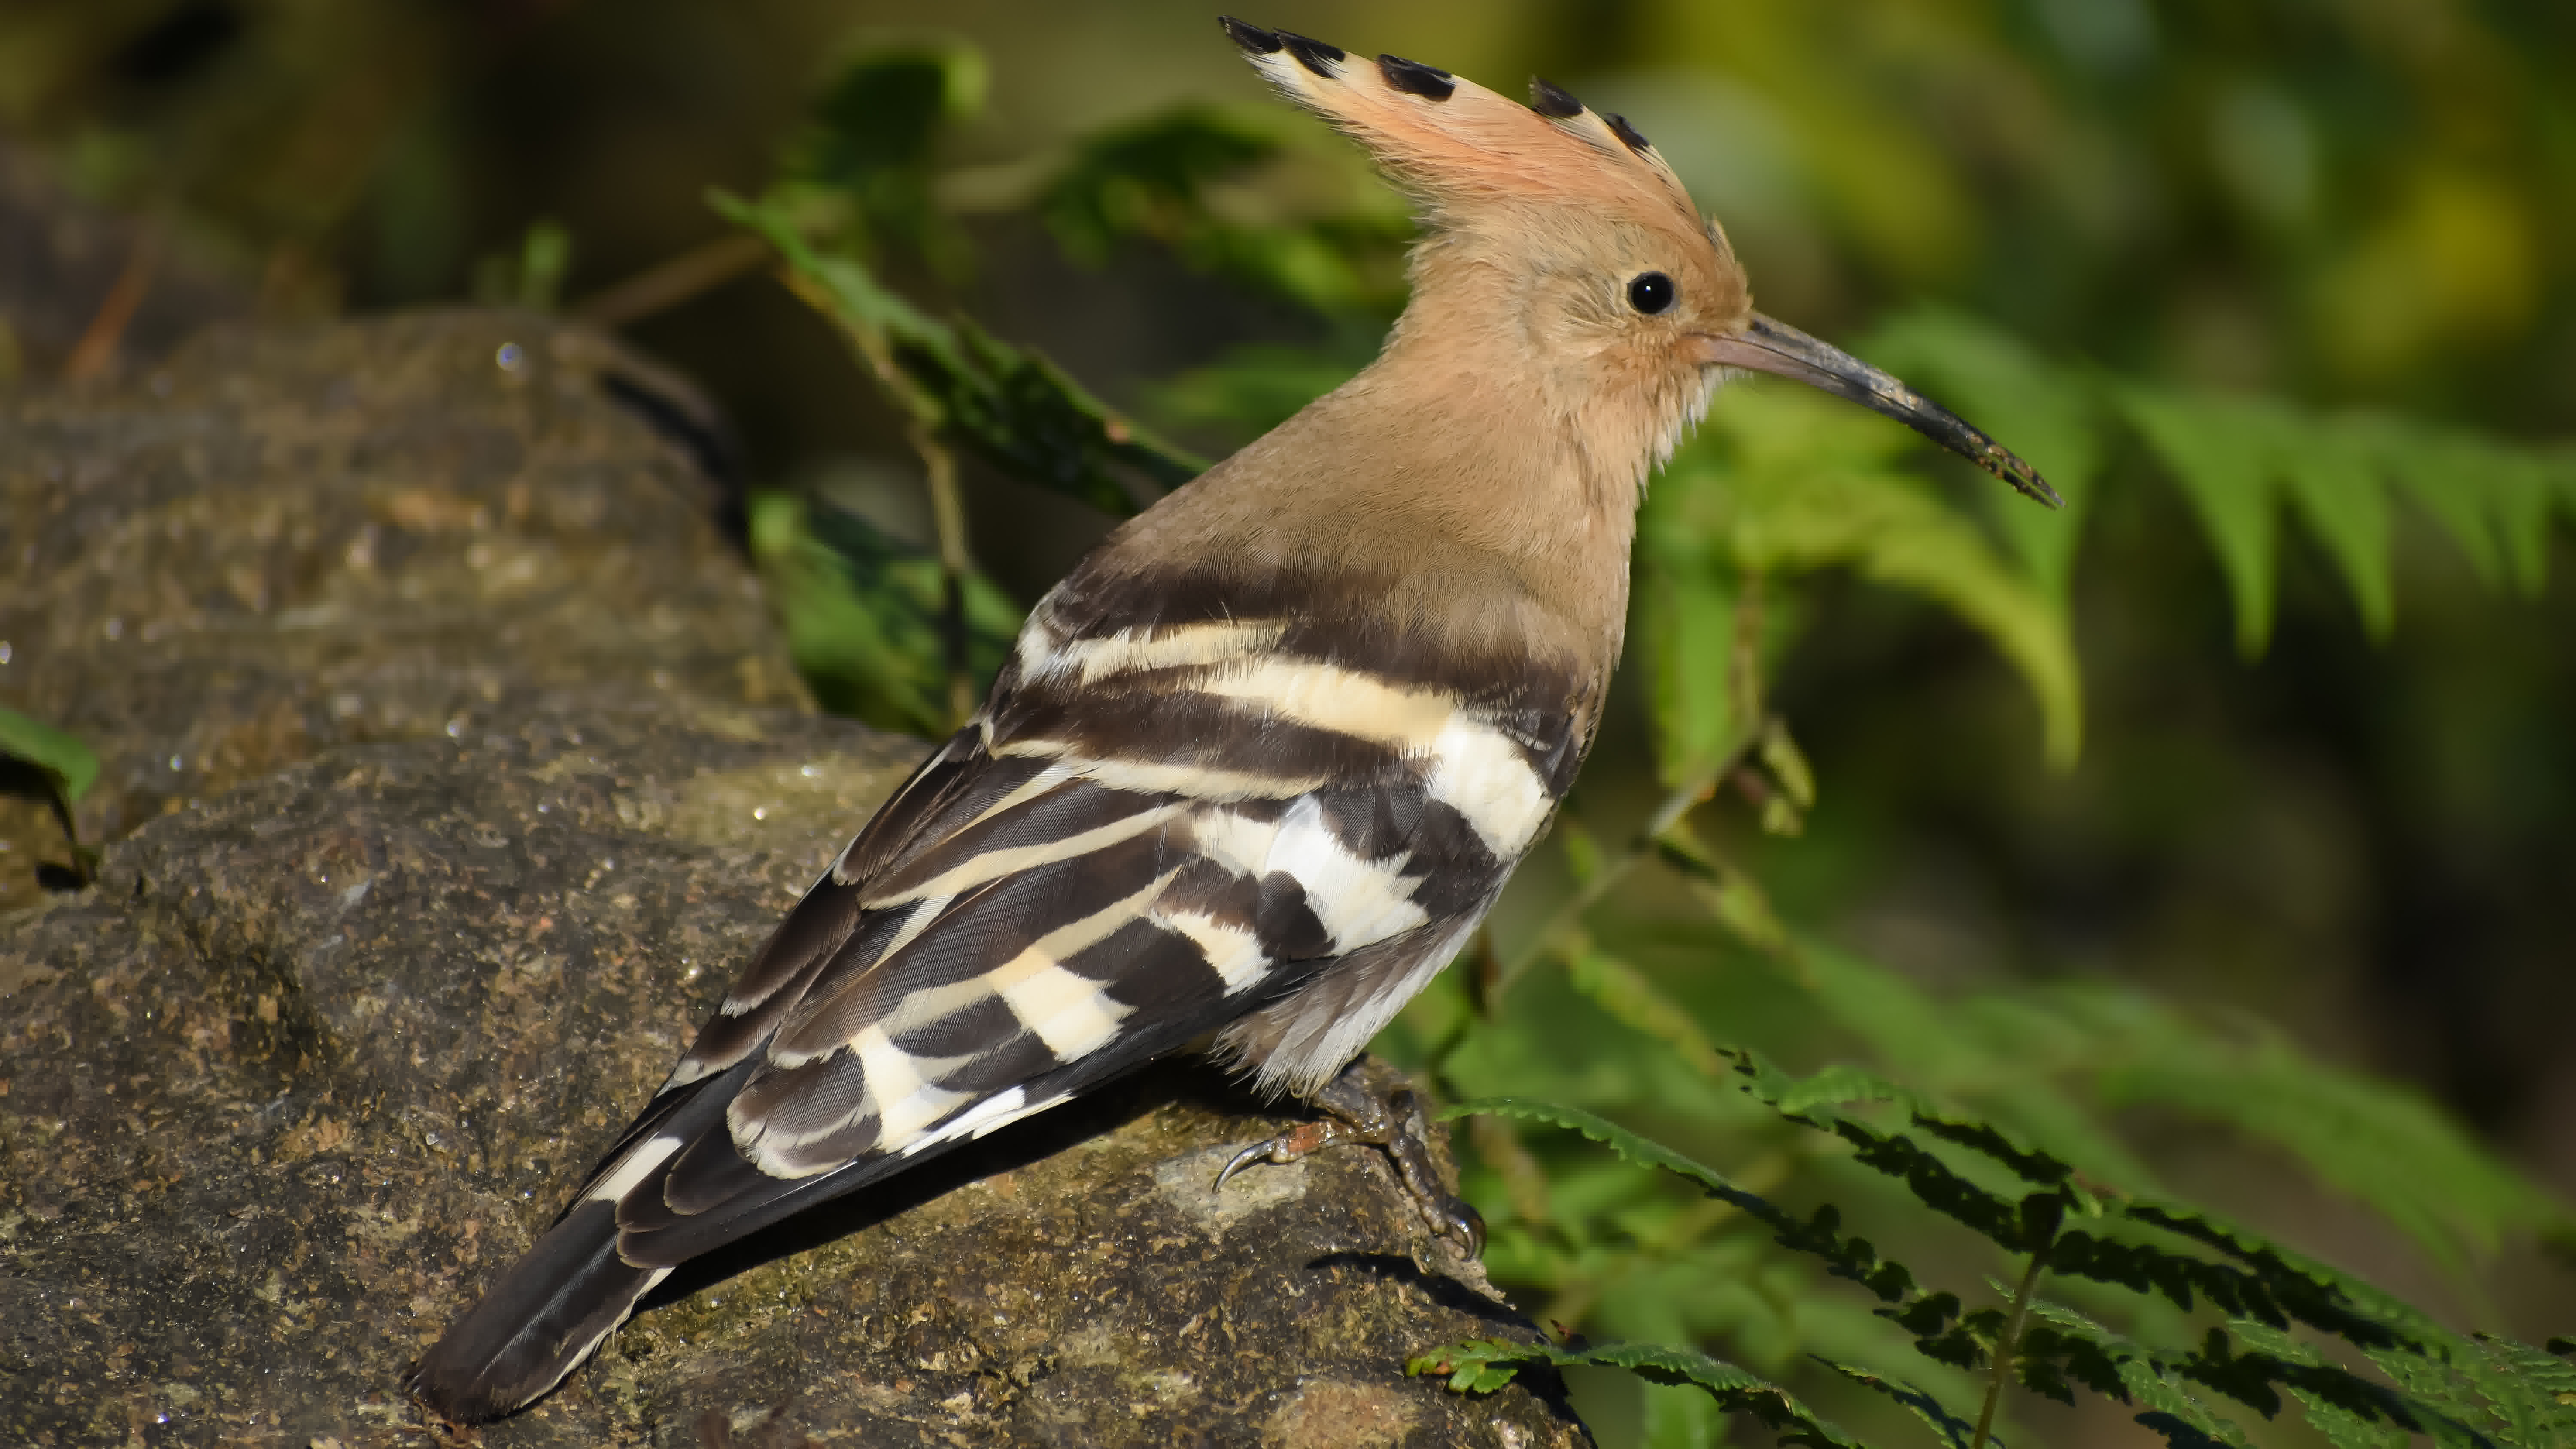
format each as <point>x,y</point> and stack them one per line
<point>1563,263</point>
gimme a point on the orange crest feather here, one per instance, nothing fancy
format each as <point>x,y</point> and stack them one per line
<point>1459,146</point>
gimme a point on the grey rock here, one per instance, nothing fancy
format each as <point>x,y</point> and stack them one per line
<point>360,995</point>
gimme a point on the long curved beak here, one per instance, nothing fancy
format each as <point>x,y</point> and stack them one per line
<point>1777,347</point>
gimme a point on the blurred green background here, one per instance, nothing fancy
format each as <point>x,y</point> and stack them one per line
<point>2360,831</point>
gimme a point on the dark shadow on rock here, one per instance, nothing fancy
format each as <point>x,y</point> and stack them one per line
<point>1440,1288</point>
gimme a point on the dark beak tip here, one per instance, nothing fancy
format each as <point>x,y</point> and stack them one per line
<point>2024,479</point>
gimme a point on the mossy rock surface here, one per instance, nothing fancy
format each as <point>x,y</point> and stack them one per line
<point>361,993</point>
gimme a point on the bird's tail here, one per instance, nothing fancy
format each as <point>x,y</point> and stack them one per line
<point>547,1314</point>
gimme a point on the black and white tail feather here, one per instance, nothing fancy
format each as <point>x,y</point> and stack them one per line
<point>1190,806</point>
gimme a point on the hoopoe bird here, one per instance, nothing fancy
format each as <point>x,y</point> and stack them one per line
<point>1261,764</point>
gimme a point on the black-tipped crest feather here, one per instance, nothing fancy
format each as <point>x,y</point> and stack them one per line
<point>1253,39</point>
<point>1550,101</point>
<point>1416,79</point>
<point>1321,57</point>
<point>1634,139</point>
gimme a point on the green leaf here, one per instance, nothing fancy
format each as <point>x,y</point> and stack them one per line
<point>1008,405</point>
<point>1155,178</point>
<point>1955,1431</point>
<point>68,768</point>
<point>861,614</point>
<point>1482,1365</point>
<point>1148,176</point>
<point>1809,1100</point>
<point>545,255</point>
<point>1025,416</point>
<point>882,110</point>
<point>2220,451</point>
<point>70,765</point>
<point>1582,852</point>
<point>1681,1418</point>
<point>2054,1062</point>
<point>2493,500</point>
<point>2262,1280</point>
<point>2335,481</point>
<point>1636,1002</point>
<point>2519,1394</point>
<point>1788,766</point>
<point>2452,1391</point>
<point>2384,1145</point>
<point>2229,455</point>
<point>1818,1234</point>
<point>2352,1413</point>
<point>1730,892</point>
<point>1254,388</point>
<point>1687,639</point>
<point>874,132</point>
<point>1781,483</point>
<point>1618,1139</point>
<point>2072,1346</point>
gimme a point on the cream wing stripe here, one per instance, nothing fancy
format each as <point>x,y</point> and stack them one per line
<point>913,925</point>
<point>1074,1015</point>
<point>992,865</point>
<point>1474,768</point>
<point>1134,651</point>
<point>922,1008</point>
<point>1232,952</point>
<point>1240,845</point>
<point>1481,773</point>
<point>1145,777</point>
<point>902,1093</point>
<point>632,1169</point>
<point>1345,701</point>
<point>987,1117</point>
<point>1042,783</point>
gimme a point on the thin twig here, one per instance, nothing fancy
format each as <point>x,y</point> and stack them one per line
<point>948,520</point>
<point>939,468</point>
<point>2008,1346</point>
<point>1744,662</point>
<point>96,349</point>
<point>674,280</point>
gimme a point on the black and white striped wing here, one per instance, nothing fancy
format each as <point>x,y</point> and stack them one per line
<point>1155,831</point>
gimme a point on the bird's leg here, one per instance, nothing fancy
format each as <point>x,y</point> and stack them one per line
<point>1391,1117</point>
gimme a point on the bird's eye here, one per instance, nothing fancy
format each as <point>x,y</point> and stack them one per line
<point>1650,292</point>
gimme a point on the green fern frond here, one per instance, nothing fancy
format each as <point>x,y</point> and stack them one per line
<point>1484,1365</point>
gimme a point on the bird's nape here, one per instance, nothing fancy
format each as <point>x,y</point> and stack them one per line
<point>1774,347</point>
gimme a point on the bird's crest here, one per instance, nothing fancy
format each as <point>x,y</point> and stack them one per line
<point>1460,147</point>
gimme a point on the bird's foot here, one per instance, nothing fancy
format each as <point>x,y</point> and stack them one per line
<point>1358,1110</point>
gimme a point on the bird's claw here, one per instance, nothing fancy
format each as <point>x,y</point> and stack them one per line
<point>1452,1217</point>
<point>1299,1141</point>
<point>1392,1120</point>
